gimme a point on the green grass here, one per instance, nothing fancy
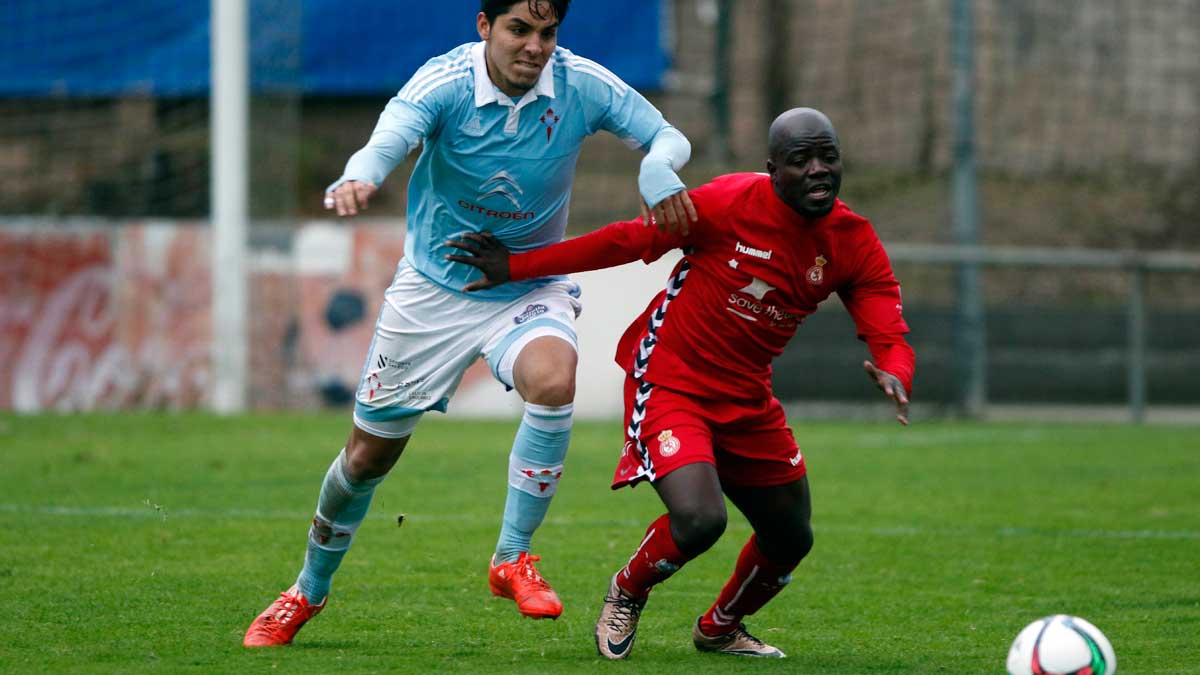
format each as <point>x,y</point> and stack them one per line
<point>146,543</point>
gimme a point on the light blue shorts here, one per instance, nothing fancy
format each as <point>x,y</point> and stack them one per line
<point>426,337</point>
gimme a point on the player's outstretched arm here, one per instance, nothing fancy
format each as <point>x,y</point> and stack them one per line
<point>350,197</point>
<point>892,387</point>
<point>486,254</point>
<point>612,245</point>
<point>404,124</point>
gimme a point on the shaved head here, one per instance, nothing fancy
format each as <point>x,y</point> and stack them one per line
<point>798,122</point>
<point>804,159</point>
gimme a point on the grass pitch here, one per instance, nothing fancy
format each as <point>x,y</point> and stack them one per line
<point>146,543</point>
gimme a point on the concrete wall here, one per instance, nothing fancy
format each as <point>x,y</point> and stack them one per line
<point>94,316</point>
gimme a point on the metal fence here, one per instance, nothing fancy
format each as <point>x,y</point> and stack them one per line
<point>1083,132</point>
<point>1138,265</point>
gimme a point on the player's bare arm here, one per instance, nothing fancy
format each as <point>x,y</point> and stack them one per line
<point>487,255</point>
<point>892,387</point>
<point>673,214</point>
<point>349,197</point>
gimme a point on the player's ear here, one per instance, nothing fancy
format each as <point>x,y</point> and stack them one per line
<point>482,25</point>
<point>771,168</point>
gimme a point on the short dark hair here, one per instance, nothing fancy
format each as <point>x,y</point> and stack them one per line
<point>494,8</point>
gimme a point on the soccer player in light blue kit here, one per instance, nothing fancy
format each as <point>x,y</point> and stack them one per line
<point>501,122</point>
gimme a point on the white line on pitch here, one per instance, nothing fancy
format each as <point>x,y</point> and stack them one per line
<point>151,510</point>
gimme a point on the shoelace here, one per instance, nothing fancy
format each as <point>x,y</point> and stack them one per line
<point>530,572</point>
<point>625,611</point>
<point>745,635</point>
<point>272,624</point>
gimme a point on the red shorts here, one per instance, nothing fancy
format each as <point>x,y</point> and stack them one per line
<point>749,442</point>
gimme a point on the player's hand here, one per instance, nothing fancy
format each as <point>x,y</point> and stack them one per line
<point>891,385</point>
<point>349,197</point>
<point>672,214</point>
<point>487,255</point>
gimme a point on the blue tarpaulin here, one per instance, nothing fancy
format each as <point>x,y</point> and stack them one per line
<point>334,47</point>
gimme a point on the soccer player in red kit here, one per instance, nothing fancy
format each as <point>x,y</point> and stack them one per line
<point>701,419</point>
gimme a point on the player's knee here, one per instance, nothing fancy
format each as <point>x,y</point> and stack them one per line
<point>802,543</point>
<point>367,461</point>
<point>695,530</point>
<point>552,388</point>
<point>360,465</point>
<point>788,547</point>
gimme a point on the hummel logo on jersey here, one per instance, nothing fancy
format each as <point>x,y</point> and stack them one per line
<point>756,252</point>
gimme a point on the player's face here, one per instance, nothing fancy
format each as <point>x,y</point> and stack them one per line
<point>807,173</point>
<point>519,45</point>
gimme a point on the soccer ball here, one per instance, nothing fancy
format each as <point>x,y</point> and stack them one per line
<point>1061,645</point>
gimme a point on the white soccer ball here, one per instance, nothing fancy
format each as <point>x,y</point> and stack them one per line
<point>1061,645</point>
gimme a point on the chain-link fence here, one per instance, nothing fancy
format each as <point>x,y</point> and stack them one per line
<point>1087,122</point>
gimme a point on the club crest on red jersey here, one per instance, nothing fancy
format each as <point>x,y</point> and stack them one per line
<point>667,443</point>
<point>816,273</point>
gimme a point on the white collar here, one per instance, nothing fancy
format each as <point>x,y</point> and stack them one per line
<point>487,92</point>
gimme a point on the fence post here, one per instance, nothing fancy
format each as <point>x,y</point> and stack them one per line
<point>720,146</point>
<point>777,78</point>
<point>1137,344</point>
<point>970,334</point>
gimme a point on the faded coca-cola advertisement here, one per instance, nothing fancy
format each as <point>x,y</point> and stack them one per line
<point>103,318</point>
<point>118,316</point>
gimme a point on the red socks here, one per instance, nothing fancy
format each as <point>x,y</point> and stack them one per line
<point>755,580</point>
<point>656,559</point>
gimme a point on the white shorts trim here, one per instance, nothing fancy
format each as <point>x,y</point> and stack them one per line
<point>503,370</point>
<point>398,428</point>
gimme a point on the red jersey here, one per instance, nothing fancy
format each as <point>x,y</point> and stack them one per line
<point>753,269</point>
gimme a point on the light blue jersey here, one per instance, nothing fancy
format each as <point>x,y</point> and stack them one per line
<point>491,163</point>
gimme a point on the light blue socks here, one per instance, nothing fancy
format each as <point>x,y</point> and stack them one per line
<point>341,508</point>
<point>534,468</point>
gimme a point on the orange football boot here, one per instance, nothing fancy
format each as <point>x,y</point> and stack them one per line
<point>519,580</point>
<point>280,622</point>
